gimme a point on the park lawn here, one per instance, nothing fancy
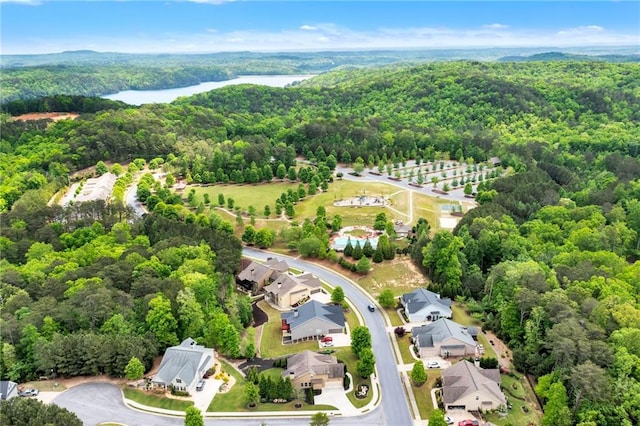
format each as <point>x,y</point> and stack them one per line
<point>157,401</point>
<point>246,195</point>
<point>397,274</point>
<point>404,344</point>
<point>400,200</point>
<point>271,343</point>
<point>423,394</point>
<point>428,207</point>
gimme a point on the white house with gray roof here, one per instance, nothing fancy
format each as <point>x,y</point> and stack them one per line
<point>443,338</point>
<point>184,365</point>
<point>8,389</point>
<point>424,305</point>
<point>312,321</point>
<point>467,387</point>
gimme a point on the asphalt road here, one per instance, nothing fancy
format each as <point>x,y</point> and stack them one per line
<point>394,405</point>
<point>96,403</point>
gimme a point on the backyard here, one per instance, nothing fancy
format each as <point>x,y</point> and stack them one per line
<point>523,411</point>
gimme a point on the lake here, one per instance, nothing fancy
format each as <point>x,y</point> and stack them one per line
<point>139,97</point>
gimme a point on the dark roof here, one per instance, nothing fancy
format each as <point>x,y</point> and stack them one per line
<point>439,331</point>
<point>465,378</point>
<point>314,309</point>
<point>419,298</point>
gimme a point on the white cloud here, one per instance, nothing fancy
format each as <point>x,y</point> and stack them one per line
<point>329,36</point>
<point>308,28</point>
<point>495,26</point>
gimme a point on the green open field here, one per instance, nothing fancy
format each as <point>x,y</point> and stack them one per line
<point>157,401</point>
<point>259,195</point>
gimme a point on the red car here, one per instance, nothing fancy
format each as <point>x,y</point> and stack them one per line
<point>468,423</point>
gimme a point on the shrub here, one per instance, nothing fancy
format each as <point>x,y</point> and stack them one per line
<point>346,381</point>
<point>400,331</point>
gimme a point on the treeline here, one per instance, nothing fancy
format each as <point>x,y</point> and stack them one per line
<point>61,103</point>
<point>34,82</point>
<point>84,299</point>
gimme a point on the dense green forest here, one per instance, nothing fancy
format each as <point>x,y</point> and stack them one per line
<point>548,260</point>
<point>89,73</point>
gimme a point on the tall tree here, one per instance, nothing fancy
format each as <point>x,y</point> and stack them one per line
<point>161,322</point>
<point>134,369</point>
<point>360,339</point>
<point>193,417</point>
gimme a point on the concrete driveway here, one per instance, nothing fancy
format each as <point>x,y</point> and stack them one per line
<point>202,399</point>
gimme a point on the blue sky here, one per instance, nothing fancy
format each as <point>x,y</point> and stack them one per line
<point>42,26</point>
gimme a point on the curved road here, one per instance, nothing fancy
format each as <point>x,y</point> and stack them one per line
<point>394,403</point>
<point>100,402</point>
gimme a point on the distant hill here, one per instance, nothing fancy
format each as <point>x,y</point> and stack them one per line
<point>561,56</point>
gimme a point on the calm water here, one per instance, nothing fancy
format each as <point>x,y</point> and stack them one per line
<point>139,97</point>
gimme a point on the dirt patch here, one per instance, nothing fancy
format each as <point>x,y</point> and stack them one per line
<point>55,116</point>
<point>501,349</point>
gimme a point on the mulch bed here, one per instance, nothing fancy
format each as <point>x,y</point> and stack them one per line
<point>259,316</point>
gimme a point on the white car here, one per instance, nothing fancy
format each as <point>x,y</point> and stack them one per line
<point>433,364</point>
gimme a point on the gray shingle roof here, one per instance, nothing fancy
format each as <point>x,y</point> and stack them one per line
<point>285,283</point>
<point>315,363</point>
<point>464,378</point>
<point>314,309</point>
<point>429,335</point>
<point>8,388</point>
<point>421,297</point>
<point>183,362</point>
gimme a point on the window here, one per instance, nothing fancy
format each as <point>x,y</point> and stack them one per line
<point>178,381</point>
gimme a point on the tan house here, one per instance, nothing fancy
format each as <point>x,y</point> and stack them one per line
<point>444,338</point>
<point>257,275</point>
<point>313,370</point>
<point>290,290</point>
<point>470,388</point>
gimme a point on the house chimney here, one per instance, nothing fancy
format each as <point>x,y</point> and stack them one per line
<point>252,271</point>
<point>295,313</point>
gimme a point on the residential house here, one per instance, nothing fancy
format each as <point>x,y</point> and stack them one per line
<point>443,338</point>
<point>183,366</point>
<point>424,305</point>
<point>290,290</point>
<point>257,275</point>
<point>312,321</point>
<point>309,369</point>
<point>467,387</point>
<point>8,389</point>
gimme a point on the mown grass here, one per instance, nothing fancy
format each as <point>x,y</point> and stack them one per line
<point>394,317</point>
<point>520,396</point>
<point>157,401</point>
<point>404,343</point>
<point>422,394</point>
<point>350,360</point>
<point>461,316</point>
<point>246,195</point>
<point>45,386</point>
<point>271,343</point>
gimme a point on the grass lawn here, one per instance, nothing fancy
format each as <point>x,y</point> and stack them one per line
<point>271,344</point>
<point>350,361</point>
<point>520,397</point>
<point>488,348</point>
<point>245,195</point>
<point>45,386</point>
<point>233,400</point>
<point>404,343</point>
<point>394,317</point>
<point>399,275</point>
<point>461,316</point>
<point>157,401</point>
<point>423,394</point>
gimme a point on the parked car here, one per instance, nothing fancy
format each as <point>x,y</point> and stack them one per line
<point>326,344</point>
<point>371,308</point>
<point>468,422</point>
<point>29,392</point>
<point>449,420</point>
<point>200,385</point>
<point>433,364</point>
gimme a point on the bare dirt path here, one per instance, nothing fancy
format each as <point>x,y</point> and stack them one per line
<point>501,349</point>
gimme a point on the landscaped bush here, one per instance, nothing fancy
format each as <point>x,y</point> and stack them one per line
<point>177,392</point>
<point>346,381</point>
